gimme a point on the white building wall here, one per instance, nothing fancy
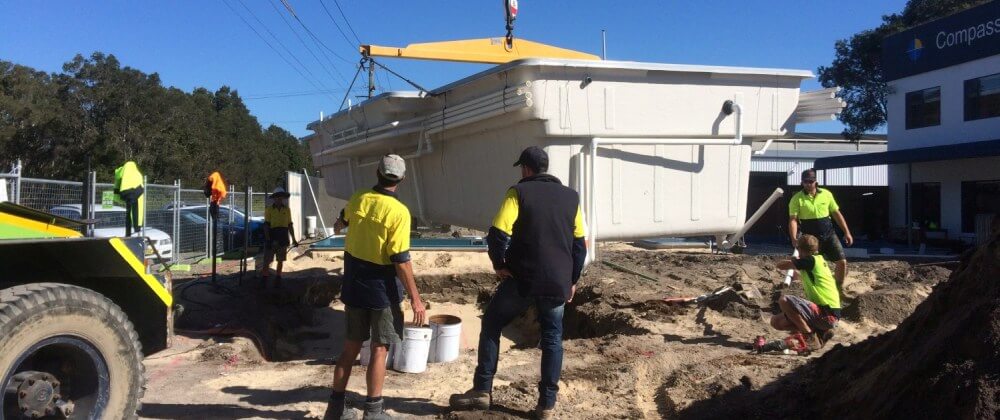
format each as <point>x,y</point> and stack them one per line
<point>953,128</point>
<point>951,174</point>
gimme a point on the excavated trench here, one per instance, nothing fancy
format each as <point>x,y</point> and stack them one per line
<point>587,316</point>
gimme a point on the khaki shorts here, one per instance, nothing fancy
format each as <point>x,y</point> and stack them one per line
<point>383,326</point>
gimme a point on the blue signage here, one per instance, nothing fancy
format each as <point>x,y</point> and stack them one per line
<point>965,36</point>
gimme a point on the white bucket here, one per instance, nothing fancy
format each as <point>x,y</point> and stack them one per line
<point>366,354</point>
<point>446,337</point>
<point>310,226</point>
<point>411,357</point>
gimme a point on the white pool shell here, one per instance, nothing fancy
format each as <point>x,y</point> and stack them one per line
<point>649,146</point>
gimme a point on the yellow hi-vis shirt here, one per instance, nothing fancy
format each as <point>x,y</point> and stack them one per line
<point>379,227</point>
<point>509,208</point>
<point>817,281</point>
<point>278,217</point>
<point>128,177</point>
<point>819,206</point>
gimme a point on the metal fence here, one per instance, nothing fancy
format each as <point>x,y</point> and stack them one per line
<point>176,219</point>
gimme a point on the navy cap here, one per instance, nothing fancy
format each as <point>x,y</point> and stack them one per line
<point>809,175</point>
<point>535,158</point>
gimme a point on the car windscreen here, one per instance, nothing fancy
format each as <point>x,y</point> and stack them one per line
<point>110,219</point>
<point>67,213</point>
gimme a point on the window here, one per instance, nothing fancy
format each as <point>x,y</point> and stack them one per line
<point>979,197</point>
<point>67,213</point>
<point>925,205</point>
<point>982,97</point>
<point>923,108</point>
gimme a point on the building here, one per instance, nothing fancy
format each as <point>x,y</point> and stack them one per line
<point>943,110</point>
<point>862,192</point>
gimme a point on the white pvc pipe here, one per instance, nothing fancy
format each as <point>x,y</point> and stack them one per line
<point>499,110</point>
<point>449,122</point>
<point>510,94</point>
<point>790,273</point>
<point>728,243</point>
<point>416,189</point>
<point>764,149</point>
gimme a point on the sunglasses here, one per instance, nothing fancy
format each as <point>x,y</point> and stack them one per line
<point>806,181</point>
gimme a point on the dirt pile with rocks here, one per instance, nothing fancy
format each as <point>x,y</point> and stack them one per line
<point>943,361</point>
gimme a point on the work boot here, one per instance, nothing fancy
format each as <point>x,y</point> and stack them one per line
<point>471,400</point>
<point>544,413</point>
<point>825,336</point>
<point>813,341</point>
<point>374,410</point>
<point>337,409</point>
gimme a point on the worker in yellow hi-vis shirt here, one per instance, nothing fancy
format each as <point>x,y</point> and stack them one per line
<point>376,258</point>
<point>128,186</point>
<point>813,211</point>
<point>537,248</point>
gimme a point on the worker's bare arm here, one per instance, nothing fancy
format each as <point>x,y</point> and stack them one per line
<point>404,271</point>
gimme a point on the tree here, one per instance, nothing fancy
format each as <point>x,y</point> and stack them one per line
<point>857,66</point>
<point>100,113</point>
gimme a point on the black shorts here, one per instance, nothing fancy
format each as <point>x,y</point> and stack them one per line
<point>831,249</point>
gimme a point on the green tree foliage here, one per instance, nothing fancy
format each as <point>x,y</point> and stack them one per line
<point>97,109</point>
<point>857,66</point>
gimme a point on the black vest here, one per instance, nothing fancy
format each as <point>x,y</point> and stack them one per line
<point>540,255</point>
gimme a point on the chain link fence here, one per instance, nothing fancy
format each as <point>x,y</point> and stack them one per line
<point>176,219</point>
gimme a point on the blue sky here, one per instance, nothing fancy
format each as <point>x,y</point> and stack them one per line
<point>204,44</point>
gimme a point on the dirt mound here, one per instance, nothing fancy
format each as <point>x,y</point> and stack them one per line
<point>239,351</point>
<point>941,362</point>
<point>903,272</point>
<point>457,288</point>
<point>727,375</point>
<point>887,306</point>
<point>931,274</point>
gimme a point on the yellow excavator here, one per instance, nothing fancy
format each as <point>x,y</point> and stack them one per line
<point>77,316</point>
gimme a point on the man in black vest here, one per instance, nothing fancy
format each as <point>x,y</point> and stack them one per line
<point>537,248</point>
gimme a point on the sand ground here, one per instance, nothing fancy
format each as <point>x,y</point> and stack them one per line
<point>256,352</point>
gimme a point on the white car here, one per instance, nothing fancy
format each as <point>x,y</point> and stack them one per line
<point>111,223</point>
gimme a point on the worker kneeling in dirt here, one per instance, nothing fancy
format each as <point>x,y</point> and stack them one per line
<point>815,317</point>
<point>376,257</point>
<point>537,248</point>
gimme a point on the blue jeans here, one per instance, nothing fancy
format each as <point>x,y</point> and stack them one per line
<point>506,305</point>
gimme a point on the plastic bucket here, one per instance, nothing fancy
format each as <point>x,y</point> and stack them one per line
<point>310,226</point>
<point>446,337</point>
<point>366,354</point>
<point>411,356</point>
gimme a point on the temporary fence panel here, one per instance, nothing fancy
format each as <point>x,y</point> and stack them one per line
<point>257,204</point>
<point>160,213</point>
<point>182,215</point>
<point>193,227</point>
<point>46,194</point>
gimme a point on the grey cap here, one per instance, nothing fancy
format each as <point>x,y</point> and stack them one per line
<point>392,167</point>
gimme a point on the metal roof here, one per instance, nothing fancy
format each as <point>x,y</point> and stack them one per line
<point>921,154</point>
